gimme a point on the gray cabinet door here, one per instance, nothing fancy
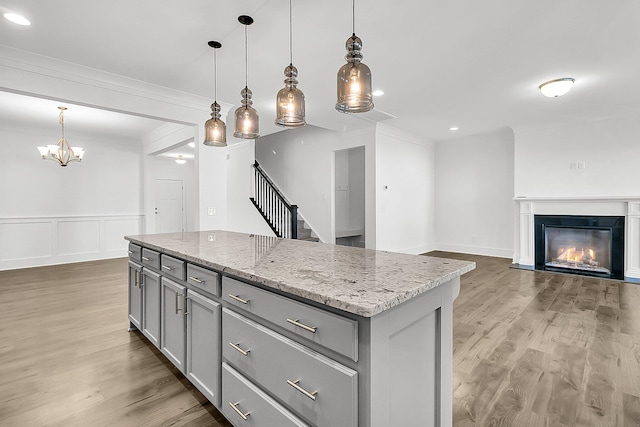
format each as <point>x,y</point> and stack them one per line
<point>151,306</point>
<point>203,345</point>
<point>173,327</point>
<point>135,296</point>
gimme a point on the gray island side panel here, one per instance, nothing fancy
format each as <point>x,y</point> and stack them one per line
<point>361,281</point>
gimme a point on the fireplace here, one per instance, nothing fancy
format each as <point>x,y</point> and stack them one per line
<point>588,245</point>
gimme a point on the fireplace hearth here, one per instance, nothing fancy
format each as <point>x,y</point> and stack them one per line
<point>588,245</point>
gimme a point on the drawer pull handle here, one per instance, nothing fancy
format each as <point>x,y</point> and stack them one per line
<point>237,298</point>
<point>311,329</point>
<point>130,252</point>
<point>237,347</point>
<point>144,258</point>
<point>166,267</point>
<point>295,385</point>
<point>238,411</point>
<point>195,279</point>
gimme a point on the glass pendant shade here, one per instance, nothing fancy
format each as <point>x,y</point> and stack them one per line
<point>247,120</point>
<point>290,101</point>
<point>215,130</point>
<point>354,81</point>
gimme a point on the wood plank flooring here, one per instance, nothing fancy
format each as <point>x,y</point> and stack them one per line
<point>530,349</point>
<point>544,349</point>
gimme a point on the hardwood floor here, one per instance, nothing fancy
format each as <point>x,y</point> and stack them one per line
<point>530,349</point>
<point>544,349</point>
<point>66,358</point>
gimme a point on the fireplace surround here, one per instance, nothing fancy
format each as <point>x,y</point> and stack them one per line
<point>624,206</point>
<point>587,245</point>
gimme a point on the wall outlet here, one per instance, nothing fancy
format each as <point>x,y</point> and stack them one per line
<point>582,165</point>
<point>211,211</point>
<point>574,165</point>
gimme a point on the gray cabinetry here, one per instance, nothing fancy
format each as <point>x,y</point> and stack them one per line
<point>203,345</point>
<point>135,296</point>
<point>173,309</point>
<point>245,404</point>
<point>151,306</point>
<point>315,387</point>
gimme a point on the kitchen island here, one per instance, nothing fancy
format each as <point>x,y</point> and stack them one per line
<point>285,332</point>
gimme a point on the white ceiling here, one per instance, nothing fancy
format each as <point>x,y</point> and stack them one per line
<point>472,64</point>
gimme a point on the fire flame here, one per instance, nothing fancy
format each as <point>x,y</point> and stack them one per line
<point>573,255</point>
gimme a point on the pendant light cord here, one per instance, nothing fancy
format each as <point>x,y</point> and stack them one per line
<point>246,58</point>
<point>290,36</point>
<point>61,120</point>
<point>353,16</point>
<point>215,75</point>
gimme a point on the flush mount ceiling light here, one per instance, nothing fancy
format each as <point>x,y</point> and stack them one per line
<point>180,160</point>
<point>290,99</point>
<point>354,78</point>
<point>454,128</point>
<point>62,152</point>
<point>557,87</point>
<point>17,19</point>
<point>247,120</point>
<point>215,130</point>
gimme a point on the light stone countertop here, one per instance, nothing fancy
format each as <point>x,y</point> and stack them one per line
<point>360,281</point>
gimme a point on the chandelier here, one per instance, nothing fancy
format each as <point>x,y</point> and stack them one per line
<point>62,152</point>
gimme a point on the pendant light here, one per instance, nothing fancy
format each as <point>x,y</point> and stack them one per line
<point>290,99</point>
<point>247,120</point>
<point>62,152</point>
<point>215,131</point>
<point>354,78</point>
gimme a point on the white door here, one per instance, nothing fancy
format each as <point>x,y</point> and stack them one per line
<point>168,209</point>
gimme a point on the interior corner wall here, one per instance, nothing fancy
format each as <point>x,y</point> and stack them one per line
<point>547,160</point>
<point>405,191</point>
<point>474,194</point>
<point>51,214</point>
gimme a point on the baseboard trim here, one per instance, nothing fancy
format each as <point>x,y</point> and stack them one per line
<point>475,250</point>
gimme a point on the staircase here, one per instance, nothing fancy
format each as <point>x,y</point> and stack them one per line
<point>305,233</point>
<point>281,216</point>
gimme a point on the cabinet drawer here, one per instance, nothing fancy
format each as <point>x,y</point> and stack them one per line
<point>251,403</point>
<point>315,387</point>
<point>204,279</point>
<point>327,329</point>
<point>135,252</point>
<point>150,258</point>
<point>172,267</point>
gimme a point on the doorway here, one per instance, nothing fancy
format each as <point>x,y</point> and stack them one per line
<point>349,208</point>
<point>169,205</point>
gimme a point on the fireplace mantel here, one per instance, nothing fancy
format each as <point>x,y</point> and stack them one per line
<point>629,207</point>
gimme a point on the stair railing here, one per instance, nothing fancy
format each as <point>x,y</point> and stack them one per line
<point>281,215</point>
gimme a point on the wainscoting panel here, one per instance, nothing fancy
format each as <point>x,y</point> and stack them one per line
<point>33,242</point>
<point>25,240</point>
<point>78,237</point>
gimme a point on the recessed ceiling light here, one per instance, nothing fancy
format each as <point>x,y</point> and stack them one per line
<point>378,92</point>
<point>454,128</point>
<point>557,87</point>
<point>192,144</point>
<point>17,19</point>
<point>180,160</point>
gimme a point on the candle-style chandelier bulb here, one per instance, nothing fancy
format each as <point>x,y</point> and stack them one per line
<point>247,120</point>
<point>215,130</point>
<point>354,78</point>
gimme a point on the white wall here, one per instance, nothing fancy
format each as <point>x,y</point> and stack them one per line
<point>609,149</point>
<point>242,216</point>
<point>51,214</point>
<point>405,192</point>
<point>301,163</point>
<point>474,191</point>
